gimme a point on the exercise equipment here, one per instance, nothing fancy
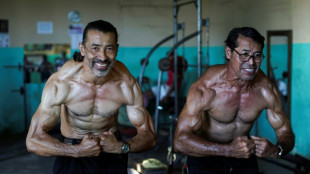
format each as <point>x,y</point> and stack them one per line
<point>146,59</point>
<point>164,63</point>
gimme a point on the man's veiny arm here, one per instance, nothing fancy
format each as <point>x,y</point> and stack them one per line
<point>280,122</point>
<point>45,118</point>
<point>141,120</point>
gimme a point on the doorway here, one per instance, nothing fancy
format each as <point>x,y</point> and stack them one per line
<point>279,58</point>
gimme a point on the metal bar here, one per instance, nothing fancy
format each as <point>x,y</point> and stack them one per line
<point>199,43</point>
<point>207,24</point>
<point>185,3</point>
<point>183,35</point>
<point>175,41</point>
<point>175,46</point>
<point>149,55</point>
<point>157,100</point>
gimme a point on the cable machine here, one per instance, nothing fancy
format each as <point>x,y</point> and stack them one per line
<point>164,64</point>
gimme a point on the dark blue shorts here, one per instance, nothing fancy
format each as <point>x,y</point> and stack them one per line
<point>221,165</point>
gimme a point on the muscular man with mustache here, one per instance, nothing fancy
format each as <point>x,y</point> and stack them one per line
<point>86,94</point>
<point>222,106</point>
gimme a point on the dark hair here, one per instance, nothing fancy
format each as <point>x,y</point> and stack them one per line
<point>100,25</point>
<point>233,35</point>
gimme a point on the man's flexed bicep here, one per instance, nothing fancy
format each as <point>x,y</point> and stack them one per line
<point>45,118</point>
<point>142,121</point>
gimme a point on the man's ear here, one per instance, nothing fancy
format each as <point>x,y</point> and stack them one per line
<point>228,52</point>
<point>82,49</point>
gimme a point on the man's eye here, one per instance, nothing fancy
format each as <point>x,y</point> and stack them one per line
<point>110,48</point>
<point>258,55</point>
<point>95,48</point>
<point>244,54</point>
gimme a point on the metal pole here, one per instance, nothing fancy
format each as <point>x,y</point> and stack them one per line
<point>157,100</point>
<point>207,23</point>
<point>199,37</point>
<point>183,35</point>
<point>175,41</point>
<point>149,55</point>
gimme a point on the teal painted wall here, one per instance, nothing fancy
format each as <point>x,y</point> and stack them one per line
<point>11,101</point>
<point>131,57</point>
<point>300,98</point>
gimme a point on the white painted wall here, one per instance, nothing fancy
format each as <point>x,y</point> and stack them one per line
<point>301,23</point>
<point>142,23</point>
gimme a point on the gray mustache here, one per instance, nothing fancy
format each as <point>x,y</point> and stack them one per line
<point>100,61</point>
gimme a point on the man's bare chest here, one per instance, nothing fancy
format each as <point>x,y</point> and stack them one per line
<point>101,101</point>
<point>229,106</point>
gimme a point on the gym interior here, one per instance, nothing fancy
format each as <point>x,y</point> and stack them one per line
<point>34,31</point>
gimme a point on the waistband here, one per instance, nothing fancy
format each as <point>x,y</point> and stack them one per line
<point>74,141</point>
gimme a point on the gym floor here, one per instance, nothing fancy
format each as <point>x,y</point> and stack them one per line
<point>15,159</point>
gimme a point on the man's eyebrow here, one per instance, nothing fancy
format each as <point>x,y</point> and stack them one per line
<point>98,45</point>
<point>254,52</point>
<point>95,45</point>
<point>245,50</point>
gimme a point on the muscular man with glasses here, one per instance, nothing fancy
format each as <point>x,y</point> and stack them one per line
<point>222,106</point>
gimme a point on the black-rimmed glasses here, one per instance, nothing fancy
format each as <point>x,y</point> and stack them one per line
<point>244,57</point>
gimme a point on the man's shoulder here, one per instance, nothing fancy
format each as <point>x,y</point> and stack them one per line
<point>202,87</point>
<point>261,80</point>
<point>69,70</point>
<point>211,76</point>
<point>265,86</point>
<point>214,70</point>
<point>120,72</point>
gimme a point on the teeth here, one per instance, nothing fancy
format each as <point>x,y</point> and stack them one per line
<point>249,70</point>
<point>101,65</point>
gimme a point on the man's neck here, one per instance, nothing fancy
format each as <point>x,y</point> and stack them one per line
<point>233,80</point>
<point>89,77</point>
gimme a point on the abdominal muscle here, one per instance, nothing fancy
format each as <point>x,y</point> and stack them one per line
<point>223,132</point>
<point>73,126</point>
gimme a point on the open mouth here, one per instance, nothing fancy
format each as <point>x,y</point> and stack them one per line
<point>249,71</point>
<point>101,65</point>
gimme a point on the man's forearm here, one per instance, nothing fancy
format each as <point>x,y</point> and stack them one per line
<point>287,142</point>
<point>198,147</point>
<point>143,141</point>
<point>49,146</point>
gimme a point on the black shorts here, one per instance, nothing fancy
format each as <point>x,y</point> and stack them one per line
<point>105,163</point>
<point>221,165</point>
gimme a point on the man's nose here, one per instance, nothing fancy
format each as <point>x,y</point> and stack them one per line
<point>251,60</point>
<point>101,54</point>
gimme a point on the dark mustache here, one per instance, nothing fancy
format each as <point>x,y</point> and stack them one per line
<point>100,61</point>
<point>248,66</point>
